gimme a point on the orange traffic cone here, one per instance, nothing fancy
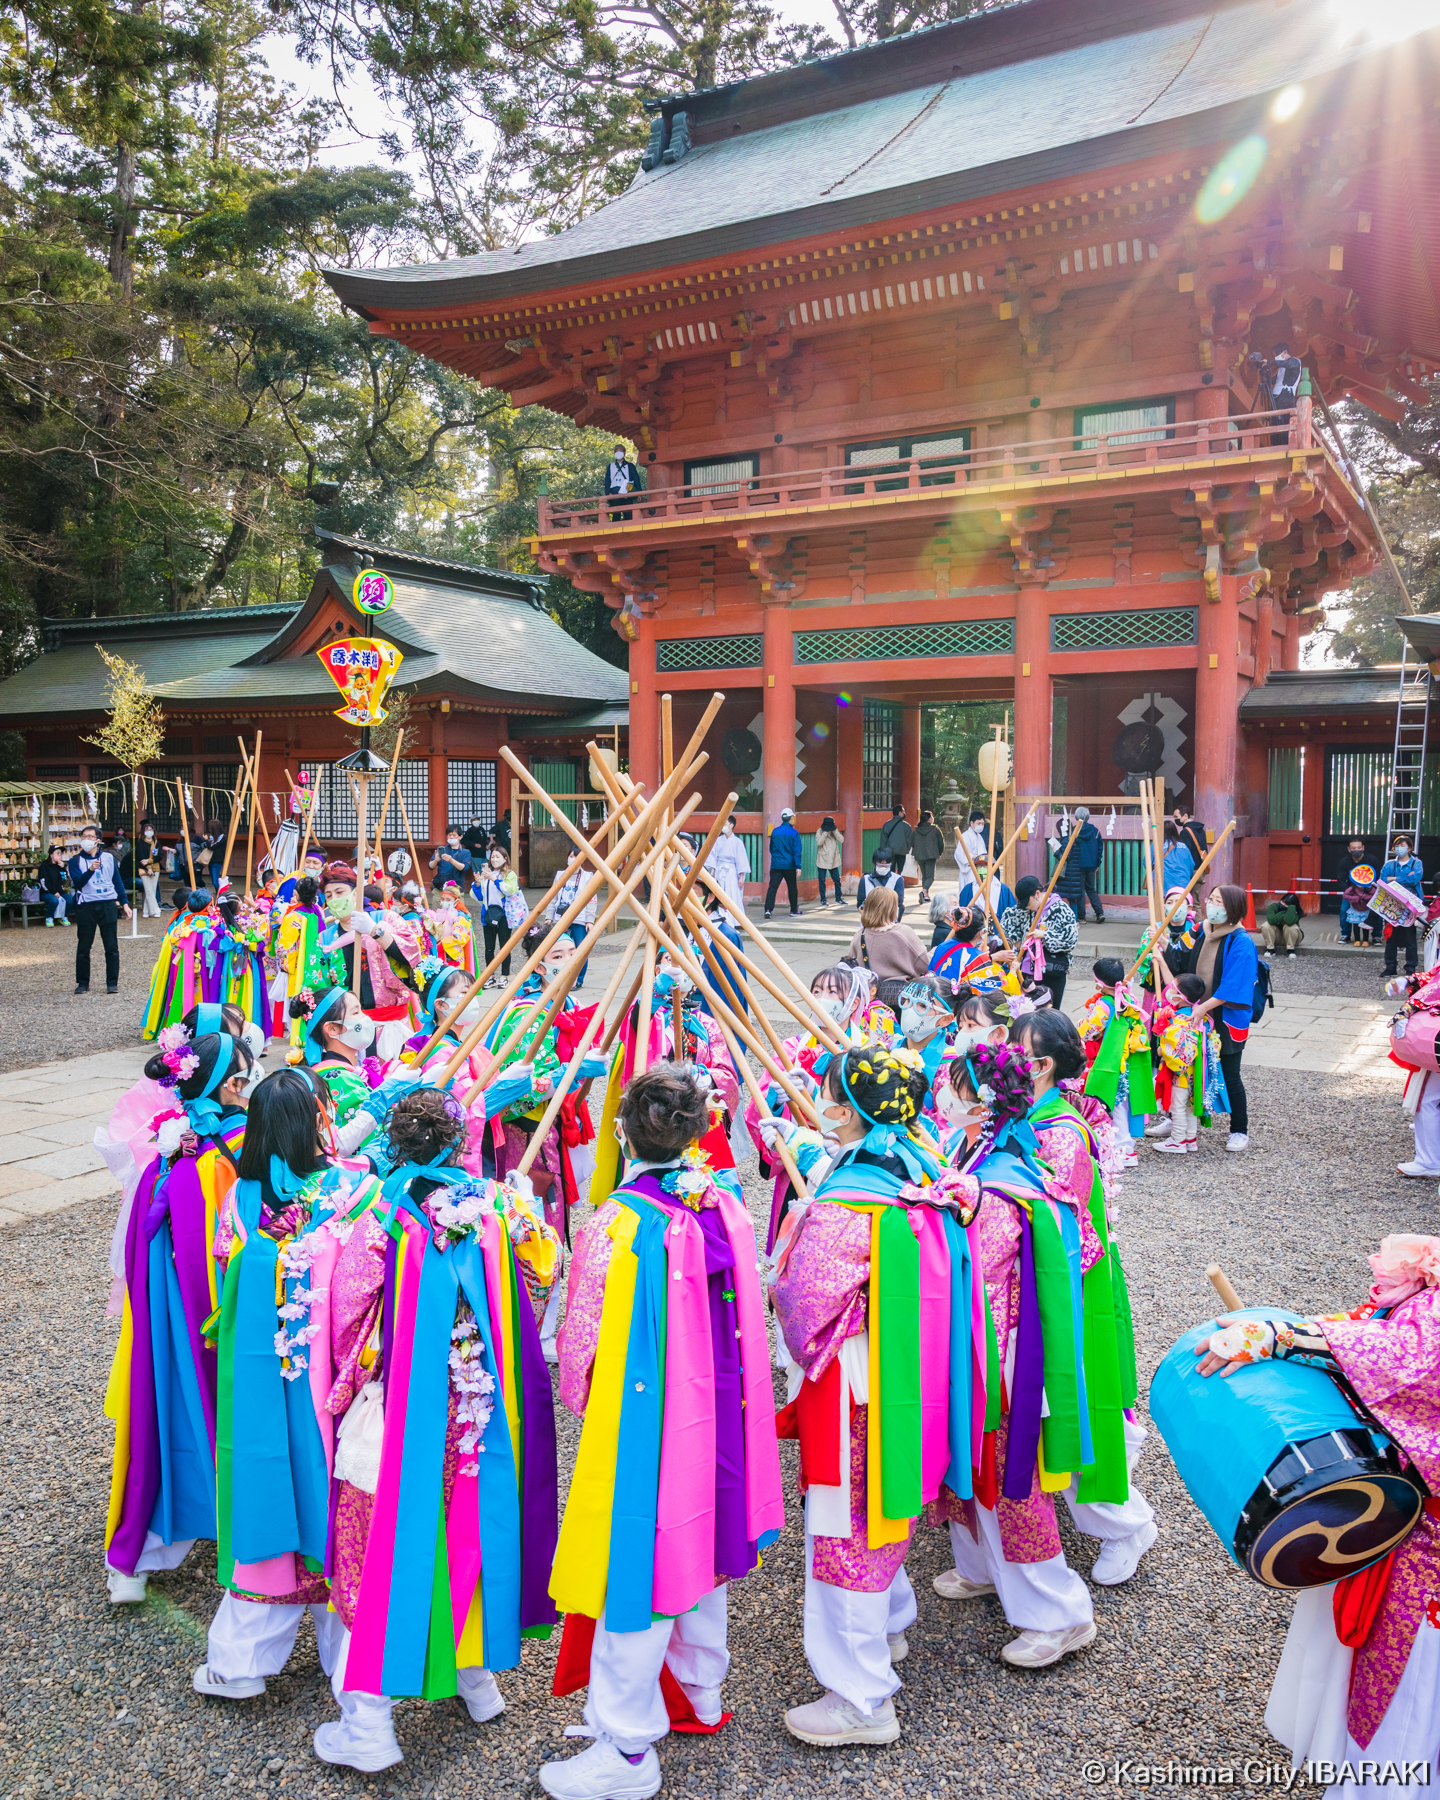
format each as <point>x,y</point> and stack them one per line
<point>1249,908</point>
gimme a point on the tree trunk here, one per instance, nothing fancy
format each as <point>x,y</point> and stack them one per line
<point>122,263</point>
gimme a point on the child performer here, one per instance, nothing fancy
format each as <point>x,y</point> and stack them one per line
<point>1005,1538</point>
<point>926,1018</point>
<point>1102,1501</point>
<point>1359,1677</point>
<point>1190,1065</point>
<point>449,932</point>
<point>161,1393</point>
<point>389,950</point>
<point>1116,1037</point>
<point>443,1398</point>
<point>185,970</point>
<point>965,956</point>
<point>272,1466</point>
<point>676,1487</point>
<point>872,1265</point>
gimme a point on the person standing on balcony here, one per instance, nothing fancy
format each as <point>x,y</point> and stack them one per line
<point>621,477</point>
<point>785,852</point>
<point>927,846</point>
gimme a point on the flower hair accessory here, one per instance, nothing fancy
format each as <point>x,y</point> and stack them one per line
<point>1404,1263</point>
<point>692,1180</point>
<point>173,1037</point>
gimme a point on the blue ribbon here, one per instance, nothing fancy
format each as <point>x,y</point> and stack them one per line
<point>204,1112</point>
<point>209,1017</point>
<point>314,1050</point>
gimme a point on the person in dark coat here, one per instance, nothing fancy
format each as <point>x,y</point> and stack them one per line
<point>785,853</point>
<point>1085,860</point>
<point>897,837</point>
<point>1191,833</point>
<point>927,846</point>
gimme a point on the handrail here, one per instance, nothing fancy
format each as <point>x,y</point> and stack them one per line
<point>1070,455</point>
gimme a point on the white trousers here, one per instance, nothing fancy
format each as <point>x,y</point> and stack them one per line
<point>1105,1519</point>
<point>550,1323</point>
<point>1427,1122</point>
<point>1038,1596</point>
<point>368,1715</point>
<point>625,1706</point>
<point>846,1632</point>
<point>158,1555</point>
<point>249,1637</point>
<point>1182,1111</point>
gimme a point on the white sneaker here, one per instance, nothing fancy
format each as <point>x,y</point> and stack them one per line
<point>831,1720</point>
<point>1238,1140</point>
<point>899,1646</point>
<point>1161,1130</point>
<point>1417,1170</point>
<point>709,1708</point>
<point>1171,1146</point>
<point>125,1590</point>
<point>480,1691</point>
<point>1292,955</point>
<point>1119,1560</point>
<point>243,1687</point>
<point>550,1350</point>
<point>367,1751</point>
<point>602,1773</point>
<point>49,924</point>
<point>1038,1649</point>
<point>950,1584</point>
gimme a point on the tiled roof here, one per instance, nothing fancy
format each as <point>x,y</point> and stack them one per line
<point>1316,694</point>
<point>1172,79</point>
<point>72,678</point>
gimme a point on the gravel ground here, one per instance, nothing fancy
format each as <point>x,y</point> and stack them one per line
<point>98,1700</point>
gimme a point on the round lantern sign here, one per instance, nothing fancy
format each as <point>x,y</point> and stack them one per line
<point>374,591</point>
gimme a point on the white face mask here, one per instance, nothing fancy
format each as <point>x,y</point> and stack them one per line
<point>913,1021</point>
<point>967,1038</point>
<point>1402,853</point>
<point>248,1086</point>
<point>253,1038</point>
<point>882,871</point>
<point>359,1032</point>
<point>1215,913</point>
<point>832,1004</point>
<point>88,845</point>
<point>468,1019</point>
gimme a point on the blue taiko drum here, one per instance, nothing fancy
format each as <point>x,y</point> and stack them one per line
<point>1299,1488</point>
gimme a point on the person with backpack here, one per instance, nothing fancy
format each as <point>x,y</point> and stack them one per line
<point>1226,960</point>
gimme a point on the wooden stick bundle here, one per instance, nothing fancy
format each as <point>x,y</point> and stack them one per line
<point>1180,899</point>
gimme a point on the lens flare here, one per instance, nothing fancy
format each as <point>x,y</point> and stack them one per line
<point>820,732</point>
<point>1231,179</point>
<point>843,699</point>
<point>1286,104</point>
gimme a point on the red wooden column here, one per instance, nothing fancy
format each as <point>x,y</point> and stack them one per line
<point>644,708</point>
<point>778,766</point>
<point>438,774</point>
<point>1032,715</point>
<point>910,762</point>
<point>1290,644</point>
<point>1217,698</point>
<point>1264,620</point>
<point>850,785</point>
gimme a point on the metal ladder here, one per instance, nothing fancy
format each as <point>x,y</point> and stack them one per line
<point>1407,767</point>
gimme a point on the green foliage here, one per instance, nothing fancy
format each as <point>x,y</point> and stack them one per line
<point>950,740</point>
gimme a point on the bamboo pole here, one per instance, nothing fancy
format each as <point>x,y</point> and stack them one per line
<point>443,1025</point>
<point>567,1077</point>
<point>384,810</point>
<point>1220,1281</point>
<point>309,811</point>
<point>637,831</point>
<point>1180,898</point>
<point>667,735</point>
<point>721,955</point>
<point>410,840</point>
<point>709,844</point>
<point>612,1030</point>
<point>254,769</point>
<point>230,830</point>
<point>642,1022</point>
<point>1151,875</point>
<point>251,811</point>
<point>994,798</point>
<point>185,831</point>
<point>983,889</point>
<point>560,926</point>
<point>553,996</point>
<point>1059,869</point>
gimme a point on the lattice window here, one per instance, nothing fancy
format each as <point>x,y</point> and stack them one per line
<point>1146,629</point>
<point>471,792</point>
<point>1140,422</point>
<point>723,476</point>
<point>335,806</point>
<point>883,643</point>
<point>1287,769</point>
<point>746,651</point>
<point>880,777</point>
<point>57,771</point>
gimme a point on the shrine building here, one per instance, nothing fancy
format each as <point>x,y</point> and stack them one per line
<point>942,359</point>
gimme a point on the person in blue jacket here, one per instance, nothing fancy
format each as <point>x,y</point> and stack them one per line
<point>785,851</point>
<point>1407,870</point>
<point>1226,960</point>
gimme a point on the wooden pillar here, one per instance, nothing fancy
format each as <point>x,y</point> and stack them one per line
<point>438,776</point>
<point>1290,643</point>
<point>779,705</point>
<point>850,784</point>
<point>1031,736</point>
<point>910,762</point>
<point>1217,699</point>
<point>1264,624</point>
<point>644,708</point>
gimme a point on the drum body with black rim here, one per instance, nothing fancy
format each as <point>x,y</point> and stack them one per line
<point>1299,1488</point>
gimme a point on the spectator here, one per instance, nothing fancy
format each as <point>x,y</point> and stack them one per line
<point>927,846</point>
<point>882,875</point>
<point>452,862</point>
<point>99,899</point>
<point>202,847</point>
<point>54,883</point>
<point>1180,863</point>
<point>1191,833</point>
<point>475,841</point>
<point>1282,924</point>
<point>122,850</point>
<point>942,916</point>
<point>1357,923</point>
<point>885,946</point>
<point>1087,855</point>
<point>897,838</point>
<point>502,908</point>
<point>1409,872</point>
<point>728,864</point>
<point>150,870</point>
<point>501,834</point>
<point>785,851</point>
<point>1070,881</point>
<point>621,477</point>
<point>829,843</point>
<point>576,873</point>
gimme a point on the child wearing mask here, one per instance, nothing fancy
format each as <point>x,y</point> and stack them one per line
<point>388,948</point>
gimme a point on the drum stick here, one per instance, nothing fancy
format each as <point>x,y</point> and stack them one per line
<point>1220,1281</point>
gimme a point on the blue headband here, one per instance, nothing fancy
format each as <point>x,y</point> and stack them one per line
<point>890,1140</point>
<point>204,1113</point>
<point>209,1016</point>
<point>432,993</point>
<point>314,1050</point>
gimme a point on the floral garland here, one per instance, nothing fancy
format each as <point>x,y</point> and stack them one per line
<point>293,1261</point>
<point>473,1385</point>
